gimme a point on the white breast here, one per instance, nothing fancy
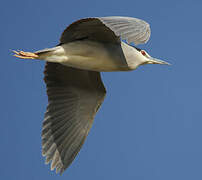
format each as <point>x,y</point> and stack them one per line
<point>95,56</point>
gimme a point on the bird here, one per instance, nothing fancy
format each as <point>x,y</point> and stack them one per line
<point>73,82</point>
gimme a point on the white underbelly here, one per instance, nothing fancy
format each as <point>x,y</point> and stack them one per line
<point>94,56</point>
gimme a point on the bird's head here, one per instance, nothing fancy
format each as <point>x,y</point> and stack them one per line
<point>150,60</point>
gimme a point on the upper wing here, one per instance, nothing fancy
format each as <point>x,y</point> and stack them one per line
<point>74,97</point>
<point>91,28</point>
<point>131,29</point>
<point>108,29</point>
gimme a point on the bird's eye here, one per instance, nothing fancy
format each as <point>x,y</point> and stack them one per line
<point>143,53</point>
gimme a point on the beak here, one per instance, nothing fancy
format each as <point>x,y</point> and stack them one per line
<point>152,60</point>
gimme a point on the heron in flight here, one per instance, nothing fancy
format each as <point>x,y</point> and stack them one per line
<point>72,76</point>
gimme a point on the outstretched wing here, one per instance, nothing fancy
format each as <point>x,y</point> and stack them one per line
<point>108,29</point>
<point>74,97</point>
<point>89,28</point>
<point>128,28</point>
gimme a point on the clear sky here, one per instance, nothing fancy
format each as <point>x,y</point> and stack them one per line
<point>150,124</point>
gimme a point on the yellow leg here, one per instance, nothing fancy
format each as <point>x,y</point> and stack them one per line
<point>25,55</point>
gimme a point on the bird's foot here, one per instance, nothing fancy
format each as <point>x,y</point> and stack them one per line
<point>25,55</point>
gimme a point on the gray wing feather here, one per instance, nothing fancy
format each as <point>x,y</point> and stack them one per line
<point>74,97</point>
<point>131,29</point>
<point>108,29</point>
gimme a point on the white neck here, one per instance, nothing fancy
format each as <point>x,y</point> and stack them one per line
<point>133,57</point>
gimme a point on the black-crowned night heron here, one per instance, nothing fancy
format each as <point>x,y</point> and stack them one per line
<point>72,75</point>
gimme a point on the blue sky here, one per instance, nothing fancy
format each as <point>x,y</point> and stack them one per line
<point>150,124</point>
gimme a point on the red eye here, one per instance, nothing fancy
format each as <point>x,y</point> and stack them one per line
<point>143,53</point>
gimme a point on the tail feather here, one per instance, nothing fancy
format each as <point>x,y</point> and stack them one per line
<point>46,54</point>
<point>46,50</point>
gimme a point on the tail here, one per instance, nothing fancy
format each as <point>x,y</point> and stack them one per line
<point>45,51</point>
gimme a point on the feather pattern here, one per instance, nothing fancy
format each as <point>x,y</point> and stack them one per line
<point>74,97</point>
<point>108,29</point>
<point>131,29</point>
